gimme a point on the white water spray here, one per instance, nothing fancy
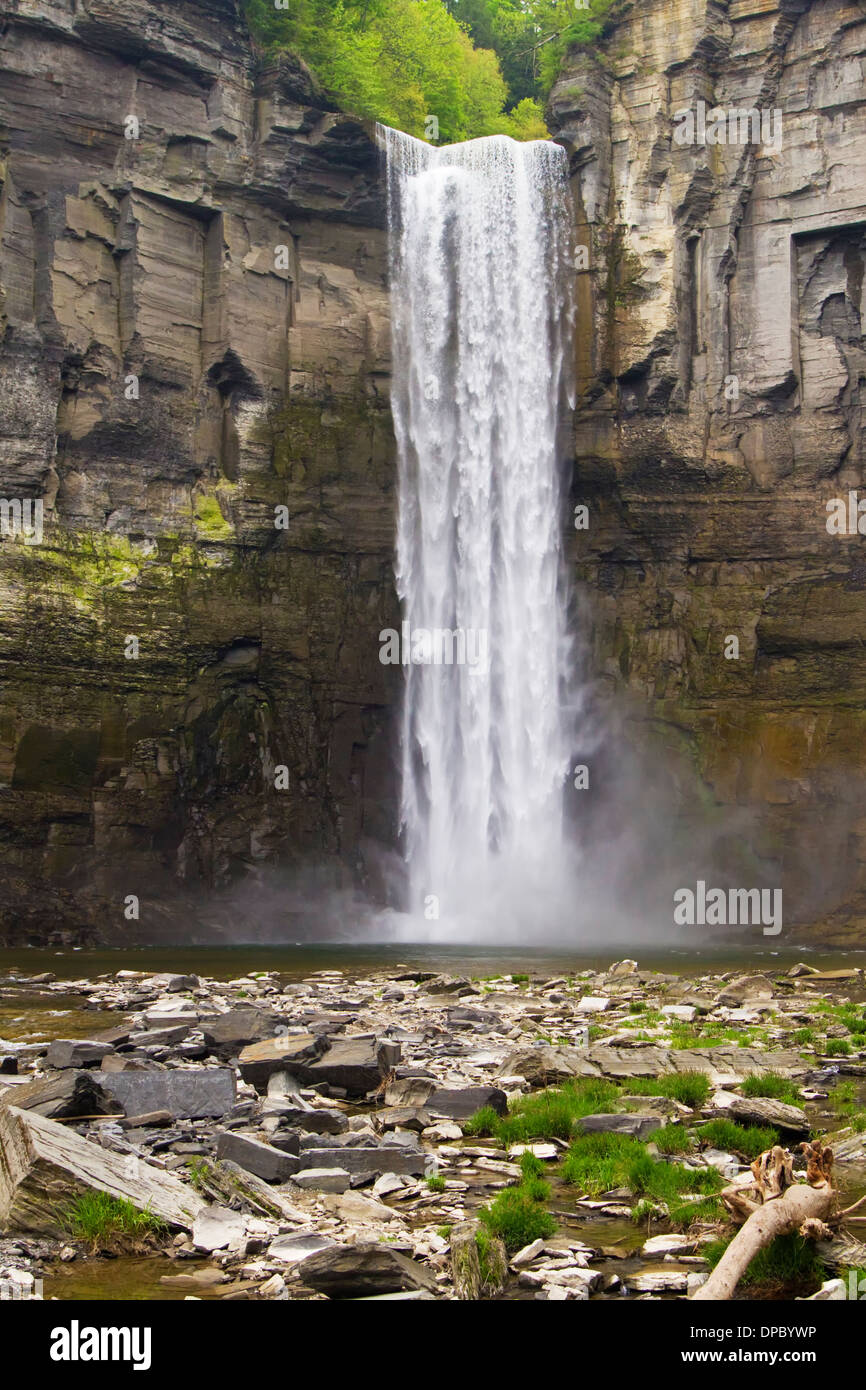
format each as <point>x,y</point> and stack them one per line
<point>481,249</point>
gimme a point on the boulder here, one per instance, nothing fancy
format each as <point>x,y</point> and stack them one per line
<point>745,989</point>
<point>755,1110</point>
<point>262,1160</point>
<point>226,1034</point>
<point>458,1103</point>
<point>410,1090</point>
<point>291,1054</point>
<point>353,1065</point>
<point>47,1165</point>
<point>76,1052</point>
<point>638,1126</point>
<point>324,1179</point>
<point>206,1093</point>
<point>292,1249</point>
<point>359,1271</point>
<point>216,1228</point>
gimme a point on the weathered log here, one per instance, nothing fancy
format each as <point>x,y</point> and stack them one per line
<point>773,1205</point>
<point>44,1167</point>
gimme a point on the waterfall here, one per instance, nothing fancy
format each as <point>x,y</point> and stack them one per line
<point>482,326</point>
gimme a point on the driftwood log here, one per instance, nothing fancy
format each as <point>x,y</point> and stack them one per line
<point>775,1204</point>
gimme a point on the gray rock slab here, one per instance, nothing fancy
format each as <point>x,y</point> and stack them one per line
<point>209,1092</point>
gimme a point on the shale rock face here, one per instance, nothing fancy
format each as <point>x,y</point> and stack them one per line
<point>720,411</point>
<point>193,335</point>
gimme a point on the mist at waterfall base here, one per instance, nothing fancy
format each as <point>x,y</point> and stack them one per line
<point>482,273</point>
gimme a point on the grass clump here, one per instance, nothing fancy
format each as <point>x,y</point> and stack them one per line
<point>597,1163</point>
<point>110,1223</point>
<point>771,1086</point>
<point>837,1047</point>
<point>435,1182</point>
<point>517,1218</point>
<point>548,1114</point>
<point>690,1088</point>
<point>748,1140</point>
<point>672,1139</point>
<point>789,1264</point>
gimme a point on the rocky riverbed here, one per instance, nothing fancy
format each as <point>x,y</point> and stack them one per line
<point>352,1135</point>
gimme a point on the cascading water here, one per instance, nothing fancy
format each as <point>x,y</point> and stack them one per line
<point>482,318</point>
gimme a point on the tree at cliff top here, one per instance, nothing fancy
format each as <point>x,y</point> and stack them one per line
<point>400,62</point>
<point>531,37</point>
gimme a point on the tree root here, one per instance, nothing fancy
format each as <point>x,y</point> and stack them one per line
<point>774,1204</point>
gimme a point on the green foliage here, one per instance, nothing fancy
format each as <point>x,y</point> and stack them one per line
<point>107,1222</point>
<point>531,37</point>
<point>690,1088</point>
<point>771,1086</point>
<point>436,1182</point>
<point>483,1122</point>
<point>517,1218</point>
<point>749,1140</point>
<point>399,62</point>
<point>837,1047</point>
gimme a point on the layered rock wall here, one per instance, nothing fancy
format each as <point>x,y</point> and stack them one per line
<point>721,409</point>
<point>193,335</point>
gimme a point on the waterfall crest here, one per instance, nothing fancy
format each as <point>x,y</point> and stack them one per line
<point>482,326</point>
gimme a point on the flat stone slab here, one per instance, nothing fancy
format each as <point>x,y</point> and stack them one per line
<point>291,1250</point>
<point>543,1065</point>
<point>324,1179</point>
<point>384,1158</point>
<point>207,1093</point>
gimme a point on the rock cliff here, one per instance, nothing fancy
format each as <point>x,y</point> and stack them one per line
<point>193,381</point>
<point>721,409</point>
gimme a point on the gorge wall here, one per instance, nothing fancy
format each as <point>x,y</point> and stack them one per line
<point>721,407</point>
<point>193,333</point>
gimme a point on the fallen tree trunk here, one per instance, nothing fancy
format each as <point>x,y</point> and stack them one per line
<point>773,1205</point>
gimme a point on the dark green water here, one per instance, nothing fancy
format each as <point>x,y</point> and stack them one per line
<point>229,962</point>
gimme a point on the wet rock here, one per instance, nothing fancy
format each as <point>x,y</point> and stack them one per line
<point>206,1093</point>
<point>315,1121</point>
<point>76,1052</point>
<point>364,1270</point>
<point>262,1160</point>
<point>458,1103</point>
